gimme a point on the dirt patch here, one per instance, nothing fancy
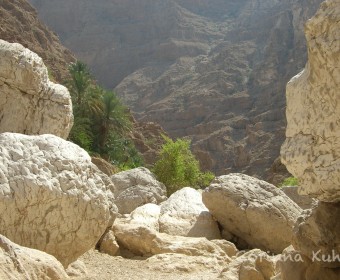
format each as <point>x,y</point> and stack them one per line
<point>105,267</point>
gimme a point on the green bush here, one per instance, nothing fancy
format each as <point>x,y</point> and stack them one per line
<point>290,181</point>
<point>177,167</point>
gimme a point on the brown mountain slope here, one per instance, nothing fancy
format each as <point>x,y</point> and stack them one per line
<point>19,23</point>
<point>214,71</point>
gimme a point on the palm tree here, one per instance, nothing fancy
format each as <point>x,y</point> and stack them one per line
<point>101,121</point>
<point>84,96</point>
<point>114,117</point>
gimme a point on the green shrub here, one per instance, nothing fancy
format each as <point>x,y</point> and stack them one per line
<point>177,167</point>
<point>290,181</point>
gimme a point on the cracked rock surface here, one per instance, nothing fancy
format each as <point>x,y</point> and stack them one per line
<point>317,234</point>
<point>29,102</point>
<point>52,198</point>
<point>136,187</point>
<point>254,211</point>
<point>311,151</point>
<point>184,214</point>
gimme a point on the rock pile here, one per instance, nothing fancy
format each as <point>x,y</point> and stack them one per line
<point>52,198</point>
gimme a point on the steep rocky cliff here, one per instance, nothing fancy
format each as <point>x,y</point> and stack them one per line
<point>214,71</point>
<point>19,23</point>
<point>312,148</point>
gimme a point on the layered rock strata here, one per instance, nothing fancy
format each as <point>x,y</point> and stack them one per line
<point>213,71</point>
<point>20,24</point>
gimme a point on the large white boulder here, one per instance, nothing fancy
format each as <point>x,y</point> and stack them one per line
<point>146,215</point>
<point>52,198</point>
<point>138,232</point>
<point>184,214</point>
<point>253,210</point>
<point>145,241</point>
<point>136,187</point>
<point>29,102</point>
<point>311,151</point>
<point>20,263</point>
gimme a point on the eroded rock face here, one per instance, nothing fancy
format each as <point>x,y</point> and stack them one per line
<point>136,187</point>
<point>304,201</point>
<point>108,244</point>
<point>185,214</point>
<point>312,149</point>
<point>294,265</point>
<point>317,234</point>
<point>148,139</point>
<point>20,24</point>
<point>253,210</point>
<point>139,233</point>
<point>29,102</point>
<point>253,265</point>
<point>146,215</point>
<point>172,263</point>
<point>145,241</point>
<point>21,263</point>
<point>52,198</point>
<point>213,71</point>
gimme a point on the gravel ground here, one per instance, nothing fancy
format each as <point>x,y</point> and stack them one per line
<point>104,267</point>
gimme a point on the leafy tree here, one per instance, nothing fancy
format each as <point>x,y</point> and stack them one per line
<point>177,167</point>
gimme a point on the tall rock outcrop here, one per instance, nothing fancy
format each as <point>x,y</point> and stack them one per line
<point>19,23</point>
<point>312,149</point>
<point>214,71</point>
<point>29,102</point>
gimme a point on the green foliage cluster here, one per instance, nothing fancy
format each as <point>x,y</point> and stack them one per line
<point>177,167</point>
<point>101,121</point>
<point>290,181</point>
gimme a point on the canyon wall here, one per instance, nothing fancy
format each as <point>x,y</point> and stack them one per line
<point>213,71</point>
<point>19,23</point>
